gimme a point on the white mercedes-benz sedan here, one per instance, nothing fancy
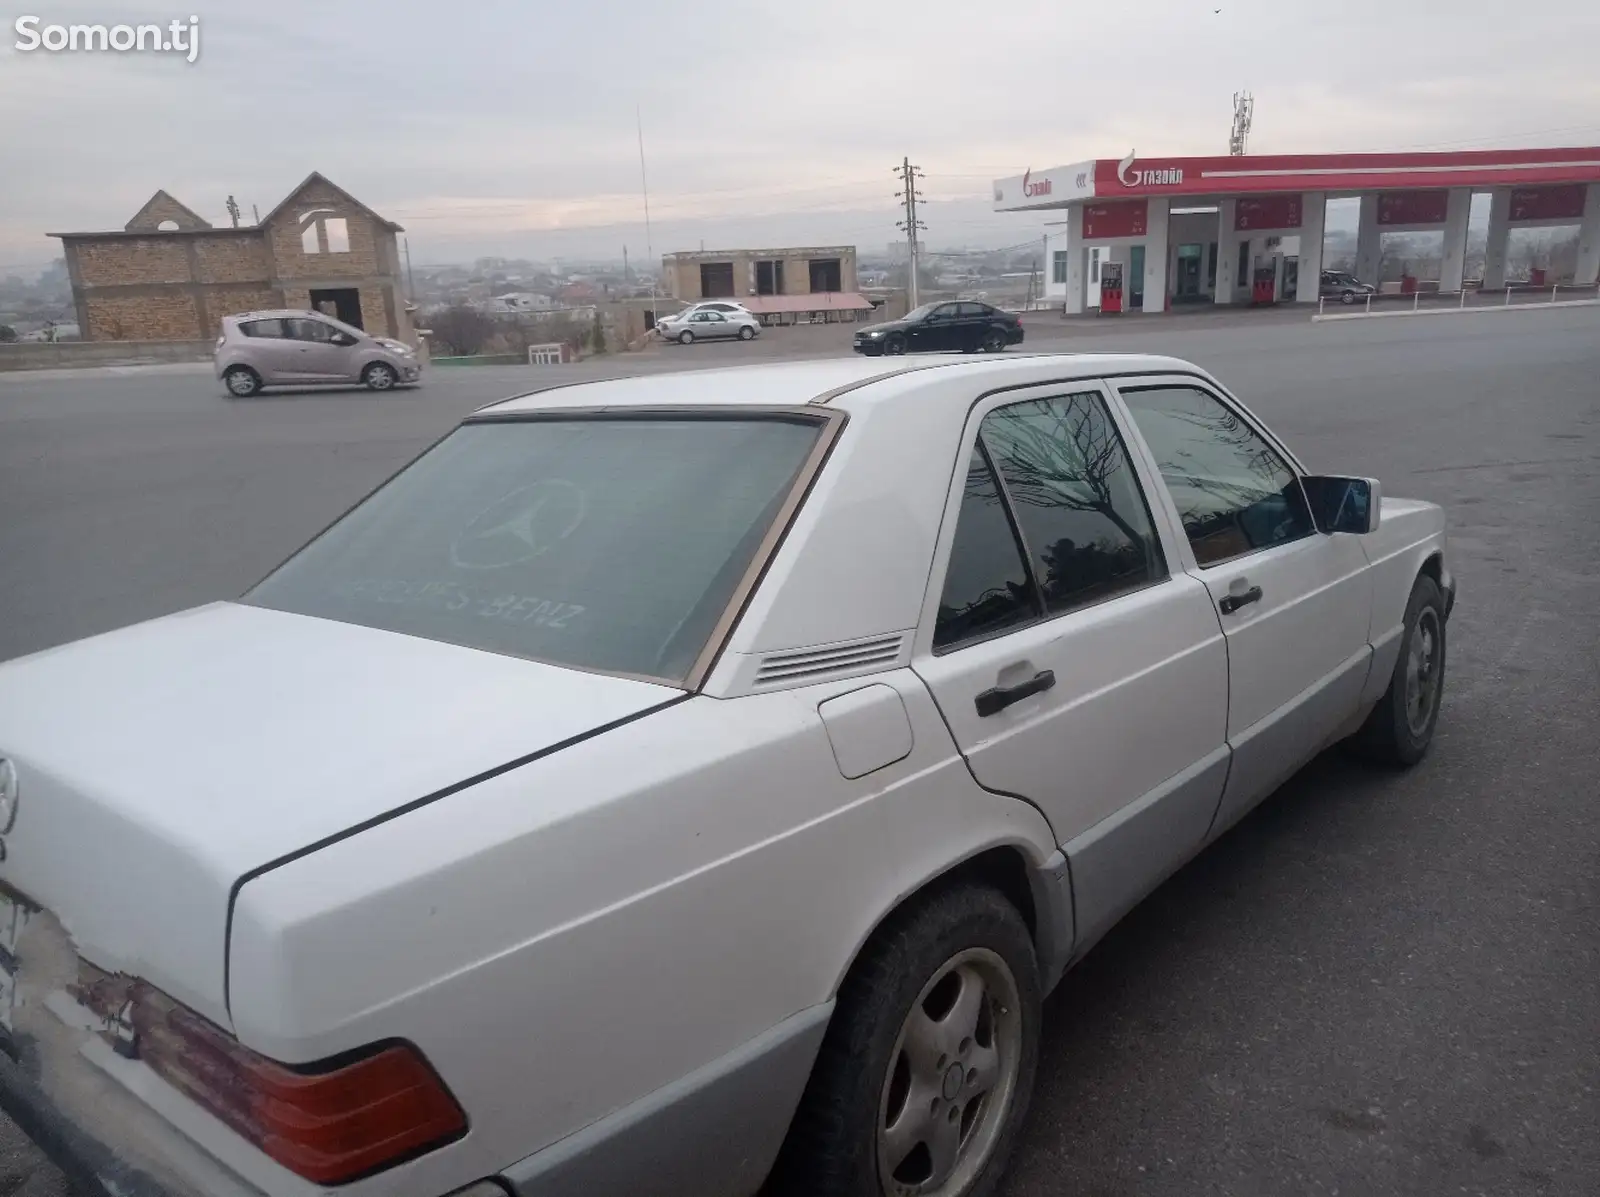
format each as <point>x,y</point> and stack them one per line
<point>669,785</point>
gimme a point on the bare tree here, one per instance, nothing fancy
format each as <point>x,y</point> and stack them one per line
<point>462,329</point>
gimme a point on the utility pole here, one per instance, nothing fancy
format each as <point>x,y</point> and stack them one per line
<point>644,187</point>
<point>233,210</point>
<point>257,212</point>
<point>909,195</point>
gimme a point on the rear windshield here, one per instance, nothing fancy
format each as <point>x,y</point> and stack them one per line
<point>602,543</point>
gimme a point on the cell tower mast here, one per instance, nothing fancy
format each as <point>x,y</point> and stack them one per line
<point>1244,108</point>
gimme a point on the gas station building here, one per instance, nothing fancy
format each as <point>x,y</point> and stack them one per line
<point>1249,229</point>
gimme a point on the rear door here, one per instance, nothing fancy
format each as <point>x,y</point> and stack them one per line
<point>1075,668</point>
<point>1294,602</point>
<point>972,324</point>
<point>271,353</point>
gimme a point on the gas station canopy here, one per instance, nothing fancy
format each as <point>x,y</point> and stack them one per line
<point>1332,174</point>
<point>1233,229</point>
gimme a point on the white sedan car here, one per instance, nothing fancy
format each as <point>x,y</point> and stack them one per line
<point>667,782</point>
<point>704,322</point>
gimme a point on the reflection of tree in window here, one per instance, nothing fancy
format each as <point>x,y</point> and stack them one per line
<point>1232,490</point>
<point>1076,498</point>
<point>986,588</point>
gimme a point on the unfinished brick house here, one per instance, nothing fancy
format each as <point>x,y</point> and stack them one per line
<point>169,275</point>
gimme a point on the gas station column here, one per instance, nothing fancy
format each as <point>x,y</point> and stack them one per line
<point>1494,254</point>
<point>1369,240</point>
<point>1227,251</point>
<point>1313,219</point>
<point>1453,265</point>
<point>1077,263</point>
<point>1155,256</point>
<point>1587,273</point>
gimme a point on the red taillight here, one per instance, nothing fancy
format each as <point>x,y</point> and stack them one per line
<point>329,1123</point>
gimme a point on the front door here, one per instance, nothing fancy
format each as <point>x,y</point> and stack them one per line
<point>322,358</point>
<point>1075,669</point>
<point>934,330</point>
<point>1293,602</point>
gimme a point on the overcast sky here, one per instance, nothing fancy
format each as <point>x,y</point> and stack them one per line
<point>495,127</point>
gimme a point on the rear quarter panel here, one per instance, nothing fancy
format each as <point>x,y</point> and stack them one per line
<point>574,934</point>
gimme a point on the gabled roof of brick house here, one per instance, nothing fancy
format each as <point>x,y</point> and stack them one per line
<point>318,177</point>
<point>162,206</point>
<point>207,230</point>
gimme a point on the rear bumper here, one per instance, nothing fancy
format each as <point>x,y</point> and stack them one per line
<point>92,1168</point>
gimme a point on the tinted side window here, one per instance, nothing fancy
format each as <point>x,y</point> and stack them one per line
<point>986,587</point>
<point>262,328</point>
<point>309,330</point>
<point>1233,491</point>
<point>972,311</point>
<point>1077,501</point>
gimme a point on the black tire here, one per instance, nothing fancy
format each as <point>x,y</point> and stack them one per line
<point>894,346</point>
<point>994,341</point>
<point>379,376</point>
<point>747,333</point>
<point>686,337</point>
<point>1393,735</point>
<point>242,382</point>
<point>1347,297</point>
<point>832,1146</point>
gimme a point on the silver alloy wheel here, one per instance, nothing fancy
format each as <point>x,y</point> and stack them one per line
<point>1422,671</point>
<point>242,382</point>
<point>952,1077</point>
<point>685,337</point>
<point>379,377</point>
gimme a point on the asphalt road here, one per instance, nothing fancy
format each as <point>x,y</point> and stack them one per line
<point>1376,984</point>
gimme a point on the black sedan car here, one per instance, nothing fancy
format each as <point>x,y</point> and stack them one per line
<point>934,327</point>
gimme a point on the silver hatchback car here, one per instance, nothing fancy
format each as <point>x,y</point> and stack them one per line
<point>263,349</point>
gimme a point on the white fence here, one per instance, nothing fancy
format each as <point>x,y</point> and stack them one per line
<point>1439,302</point>
<point>551,354</point>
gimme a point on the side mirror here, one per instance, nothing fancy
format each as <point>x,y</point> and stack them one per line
<point>1341,504</point>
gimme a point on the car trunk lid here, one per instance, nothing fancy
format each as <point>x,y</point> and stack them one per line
<point>160,764</point>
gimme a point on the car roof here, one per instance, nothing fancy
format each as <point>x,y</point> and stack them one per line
<point>272,313</point>
<point>830,380</point>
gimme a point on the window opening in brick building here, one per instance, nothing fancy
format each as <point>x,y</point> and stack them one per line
<point>826,275</point>
<point>769,277</point>
<point>342,303</point>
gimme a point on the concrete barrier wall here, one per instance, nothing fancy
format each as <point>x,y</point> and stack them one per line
<point>68,354</point>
